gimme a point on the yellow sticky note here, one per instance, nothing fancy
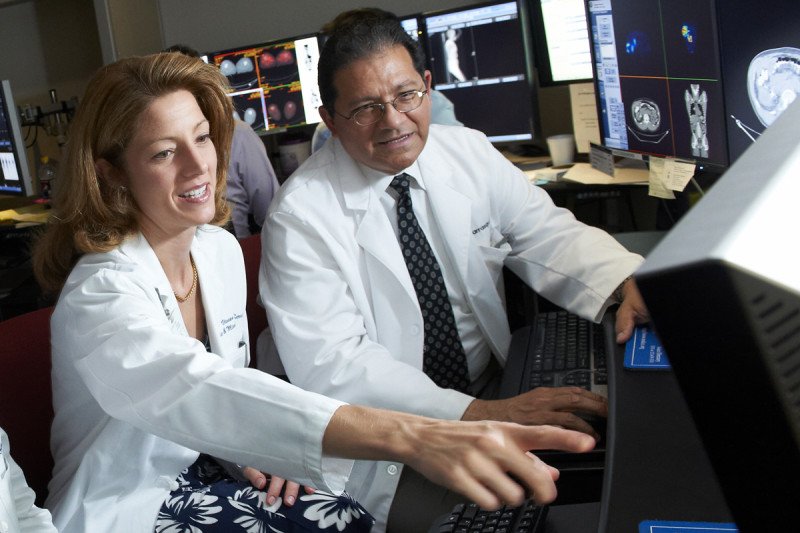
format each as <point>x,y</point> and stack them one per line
<point>677,174</point>
<point>658,187</point>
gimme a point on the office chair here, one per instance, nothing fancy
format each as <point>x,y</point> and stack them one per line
<point>256,315</point>
<point>26,407</point>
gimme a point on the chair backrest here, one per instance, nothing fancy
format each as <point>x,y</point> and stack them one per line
<point>256,315</point>
<point>26,406</point>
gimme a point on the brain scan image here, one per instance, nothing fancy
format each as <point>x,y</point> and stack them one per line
<point>244,65</point>
<point>240,71</point>
<point>274,112</point>
<point>688,33</point>
<point>289,109</point>
<point>773,82</point>
<point>637,43</point>
<point>266,60</point>
<point>285,57</point>
<point>250,115</point>
<point>227,67</point>
<point>696,107</point>
<point>646,117</point>
<point>278,65</point>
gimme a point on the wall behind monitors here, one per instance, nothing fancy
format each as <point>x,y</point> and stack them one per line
<point>658,78</point>
<point>760,43</point>
<point>15,177</point>
<point>561,38</point>
<point>274,84</point>
<point>478,59</point>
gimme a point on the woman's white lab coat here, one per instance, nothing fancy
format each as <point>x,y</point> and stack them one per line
<point>18,514</point>
<point>136,398</point>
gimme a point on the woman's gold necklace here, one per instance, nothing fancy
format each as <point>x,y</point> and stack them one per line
<point>194,283</point>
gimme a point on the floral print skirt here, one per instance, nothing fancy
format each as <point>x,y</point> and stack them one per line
<point>209,499</point>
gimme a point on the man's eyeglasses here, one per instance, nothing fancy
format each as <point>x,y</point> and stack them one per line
<point>372,113</point>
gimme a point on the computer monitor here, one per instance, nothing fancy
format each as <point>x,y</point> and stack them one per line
<point>15,178</point>
<point>561,41</point>
<point>274,84</point>
<point>411,24</point>
<point>723,290</point>
<point>479,60</point>
<point>760,43</point>
<point>658,78</point>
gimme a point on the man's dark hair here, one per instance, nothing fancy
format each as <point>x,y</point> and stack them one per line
<point>183,49</point>
<point>358,34</point>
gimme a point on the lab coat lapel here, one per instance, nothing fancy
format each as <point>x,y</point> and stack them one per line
<point>140,250</point>
<point>211,290</point>
<point>374,233</point>
<point>452,211</point>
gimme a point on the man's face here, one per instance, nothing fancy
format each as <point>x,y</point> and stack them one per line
<point>396,140</point>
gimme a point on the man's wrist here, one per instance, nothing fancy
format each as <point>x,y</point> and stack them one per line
<point>619,294</point>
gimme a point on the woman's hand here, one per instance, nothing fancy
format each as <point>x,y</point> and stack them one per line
<point>277,485</point>
<point>488,462</point>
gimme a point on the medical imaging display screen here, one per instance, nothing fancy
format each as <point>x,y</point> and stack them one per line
<point>477,59</point>
<point>411,25</point>
<point>273,85</point>
<point>760,45</point>
<point>658,78</point>
<point>11,150</point>
<point>562,47</point>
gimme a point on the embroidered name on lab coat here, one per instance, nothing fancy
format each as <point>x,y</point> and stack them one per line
<point>480,229</point>
<point>228,324</point>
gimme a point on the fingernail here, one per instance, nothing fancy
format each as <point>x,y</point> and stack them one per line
<point>289,500</point>
<point>271,500</point>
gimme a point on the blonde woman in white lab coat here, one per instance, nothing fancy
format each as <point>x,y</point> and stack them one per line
<point>150,354</point>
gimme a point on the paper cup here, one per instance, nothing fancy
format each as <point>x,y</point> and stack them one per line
<point>562,149</point>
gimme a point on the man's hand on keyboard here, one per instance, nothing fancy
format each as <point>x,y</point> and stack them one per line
<point>632,311</point>
<point>556,406</point>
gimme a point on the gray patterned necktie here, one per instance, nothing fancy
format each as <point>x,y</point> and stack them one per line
<point>444,360</point>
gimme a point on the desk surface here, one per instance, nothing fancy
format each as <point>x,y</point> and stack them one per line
<point>36,213</point>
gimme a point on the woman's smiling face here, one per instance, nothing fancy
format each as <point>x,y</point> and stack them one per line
<point>170,166</point>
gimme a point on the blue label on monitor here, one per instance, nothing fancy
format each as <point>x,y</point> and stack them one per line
<point>666,526</point>
<point>643,351</point>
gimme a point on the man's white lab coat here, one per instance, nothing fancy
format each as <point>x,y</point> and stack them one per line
<point>340,301</point>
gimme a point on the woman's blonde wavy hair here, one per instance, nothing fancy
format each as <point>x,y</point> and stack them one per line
<point>92,214</point>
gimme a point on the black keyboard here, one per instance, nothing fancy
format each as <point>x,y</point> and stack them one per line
<point>567,350</point>
<point>560,349</point>
<point>469,518</point>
